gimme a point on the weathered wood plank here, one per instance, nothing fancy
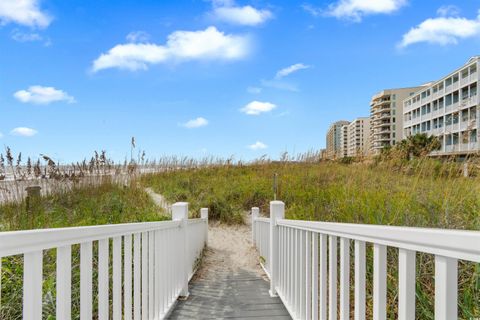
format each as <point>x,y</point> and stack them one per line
<point>239,295</point>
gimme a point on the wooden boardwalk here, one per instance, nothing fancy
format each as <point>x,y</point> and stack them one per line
<point>236,295</point>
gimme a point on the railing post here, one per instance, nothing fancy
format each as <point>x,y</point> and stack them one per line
<point>255,214</point>
<point>204,215</point>
<point>277,211</point>
<point>180,213</point>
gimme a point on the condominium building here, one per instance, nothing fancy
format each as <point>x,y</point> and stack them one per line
<point>386,117</point>
<point>358,137</point>
<point>448,109</point>
<point>343,141</point>
<point>335,139</point>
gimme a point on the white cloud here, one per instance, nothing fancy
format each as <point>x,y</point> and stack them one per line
<point>291,69</point>
<point>450,10</point>
<point>23,132</point>
<point>138,36</point>
<point>23,12</point>
<point>247,15</point>
<point>196,123</point>
<point>442,31</point>
<point>208,44</point>
<point>25,37</point>
<point>280,85</point>
<point>312,10</point>
<point>42,95</point>
<point>254,90</point>
<point>255,108</point>
<point>258,146</point>
<point>356,9</point>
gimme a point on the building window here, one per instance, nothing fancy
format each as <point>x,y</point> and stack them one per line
<point>455,138</point>
<point>455,118</point>
<point>448,139</point>
<point>448,100</point>
<point>473,69</point>
<point>473,136</point>
<point>448,120</point>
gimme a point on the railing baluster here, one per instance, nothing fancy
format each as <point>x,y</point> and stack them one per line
<point>64,283</point>
<point>168,279</point>
<point>157,296</point>
<point>446,288</point>
<point>151,274</point>
<point>162,271</point>
<point>360,265</point>
<point>288,271</point>
<point>302,274</point>
<point>344,278</point>
<point>323,276</point>
<point>406,284</point>
<point>332,278</point>
<point>86,280</point>
<point>145,276</point>
<point>127,277</point>
<point>292,268</point>
<point>308,275</point>
<point>314,276</point>
<point>117,278</point>
<point>298,279</point>
<point>379,282</point>
<point>136,277</point>
<point>103,279</point>
<point>282,259</point>
<point>32,285</point>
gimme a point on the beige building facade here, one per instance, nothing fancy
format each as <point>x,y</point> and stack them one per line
<point>335,140</point>
<point>359,137</point>
<point>386,117</point>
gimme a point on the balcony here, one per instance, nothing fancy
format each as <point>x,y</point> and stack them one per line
<point>437,131</point>
<point>448,89</point>
<point>473,77</point>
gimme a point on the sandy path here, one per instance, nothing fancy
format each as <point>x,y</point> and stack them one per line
<point>229,251</point>
<point>159,200</point>
<point>229,248</point>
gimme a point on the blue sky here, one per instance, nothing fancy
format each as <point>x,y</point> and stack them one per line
<point>198,77</point>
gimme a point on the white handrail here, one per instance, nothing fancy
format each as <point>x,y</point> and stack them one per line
<point>156,260</point>
<point>17,242</point>
<point>458,244</point>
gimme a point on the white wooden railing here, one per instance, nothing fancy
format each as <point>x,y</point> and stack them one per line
<point>304,265</point>
<point>156,260</point>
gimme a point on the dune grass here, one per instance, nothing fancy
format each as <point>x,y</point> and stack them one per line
<point>420,193</point>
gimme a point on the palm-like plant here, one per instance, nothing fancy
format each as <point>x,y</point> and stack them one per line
<point>418,145</point>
